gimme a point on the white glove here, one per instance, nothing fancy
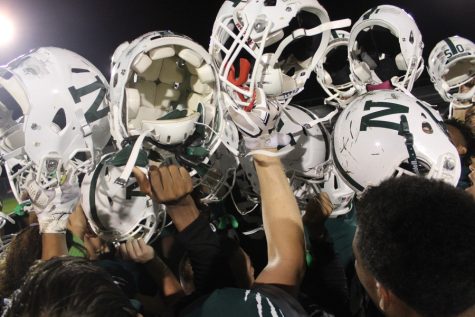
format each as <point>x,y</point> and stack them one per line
<point>53,206</point>
<point>259,120</point>
<point>257,125</point>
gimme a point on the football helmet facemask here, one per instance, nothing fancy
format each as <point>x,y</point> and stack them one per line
<point>268,47</point>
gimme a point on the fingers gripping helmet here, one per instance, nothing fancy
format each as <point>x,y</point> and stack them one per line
<point>117,213</point>
<point>54,118</point>
<point>271,46</point>
<point>451,67</point>
<point>164,83</point>
<point>385,44</point>
<point>388,133</point>
<point>333,71</point>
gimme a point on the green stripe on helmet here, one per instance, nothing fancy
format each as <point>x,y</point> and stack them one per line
<point>451,45</point>
<point>344,174</point>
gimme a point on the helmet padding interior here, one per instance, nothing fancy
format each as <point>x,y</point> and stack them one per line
<point>169,79</point>
<point>460,72</point>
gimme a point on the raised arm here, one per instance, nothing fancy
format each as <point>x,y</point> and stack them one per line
<point>52,208</point>
<point>283,227</point>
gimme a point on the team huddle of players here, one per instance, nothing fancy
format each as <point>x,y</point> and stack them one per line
<point>68,134</point>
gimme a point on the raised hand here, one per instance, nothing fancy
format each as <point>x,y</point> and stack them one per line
<point>53,206</point>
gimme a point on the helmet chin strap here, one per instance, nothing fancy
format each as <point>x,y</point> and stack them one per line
<point>122,179</point>
<point>328,117</point>
<point>406,133</point>
<point>303,32</point>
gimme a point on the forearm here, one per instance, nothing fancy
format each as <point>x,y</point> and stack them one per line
<point>183,213</point>
<point>164,278</point>
<point>53,244</point>
<point>281,216</point>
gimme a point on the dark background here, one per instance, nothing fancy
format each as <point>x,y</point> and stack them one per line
<point>94,28</point>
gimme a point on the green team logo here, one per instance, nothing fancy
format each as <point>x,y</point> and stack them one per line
<point>453,49</point>
<point>373,119</point>
<point>93,113</point>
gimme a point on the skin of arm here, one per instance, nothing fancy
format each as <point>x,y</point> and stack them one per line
<point>53,244</point>
<point>175,194</point>
<point>77,222</point>
<point>172,185</point>
<point>171,291</point>
<point>283,226</point>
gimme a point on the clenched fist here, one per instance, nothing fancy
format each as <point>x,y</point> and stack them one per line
<point>166,184</point>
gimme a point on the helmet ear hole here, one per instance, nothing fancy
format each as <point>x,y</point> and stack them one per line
<point>59,119</point>
<point>400,62</point>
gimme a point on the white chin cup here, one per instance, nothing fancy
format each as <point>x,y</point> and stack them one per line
<point>172,131</point>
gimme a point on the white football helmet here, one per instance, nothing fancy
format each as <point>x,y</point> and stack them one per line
<point>53,116</point>
<point>387,133</point>
<point>308,161</point>
<point>309,165</point>
<point>333,71</point>
<point>268,47</point>
<point>340,194</point>
<point>385,44</point>
<point>164,83</point>
<point>310,155</point>
<point>116,213</point>
<point>451,67</point>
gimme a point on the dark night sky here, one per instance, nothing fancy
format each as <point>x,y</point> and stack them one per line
<point>94,28</point>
